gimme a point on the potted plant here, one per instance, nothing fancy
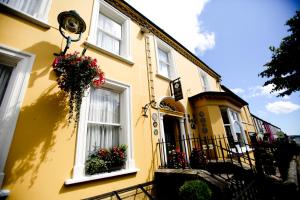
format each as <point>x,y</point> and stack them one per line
<point>74,74</point>
<point>176,158</point>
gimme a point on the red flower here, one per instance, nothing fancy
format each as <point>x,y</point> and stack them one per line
<point>94,63</point>
<point>99,80</point>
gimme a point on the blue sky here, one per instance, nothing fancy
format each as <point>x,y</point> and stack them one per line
<point>233,38</point>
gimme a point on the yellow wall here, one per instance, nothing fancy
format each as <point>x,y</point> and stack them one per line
<point>42,152</point>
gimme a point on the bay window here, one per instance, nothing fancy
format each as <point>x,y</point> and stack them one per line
<point>233,128</point>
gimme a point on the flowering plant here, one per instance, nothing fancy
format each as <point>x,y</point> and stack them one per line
<point>75,73</point>
<point>176,158</point>
<point>106,160</point>
<point>118,155</point>
<point>198,158</point>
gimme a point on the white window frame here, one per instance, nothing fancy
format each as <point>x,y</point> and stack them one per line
<point>233,131</point>
<point>203,79</point>
<point>117,16</point>
<point>43,21</point>
<point>126,126</point>
<point>159,44</point>
<point>13,97</point>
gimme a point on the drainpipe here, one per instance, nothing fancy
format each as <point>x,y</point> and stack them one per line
<point>149,68</point>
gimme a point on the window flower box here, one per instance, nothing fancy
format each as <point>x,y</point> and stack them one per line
<point>104,160</point>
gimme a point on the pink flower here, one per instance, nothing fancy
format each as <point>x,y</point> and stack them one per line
<point>55,62</point>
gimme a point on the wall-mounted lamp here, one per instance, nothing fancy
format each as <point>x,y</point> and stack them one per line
<point>146,107</point>
<point>71,22</point>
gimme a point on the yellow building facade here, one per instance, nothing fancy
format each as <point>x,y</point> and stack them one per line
<point>43,156</point>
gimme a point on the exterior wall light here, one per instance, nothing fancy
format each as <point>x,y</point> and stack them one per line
<point>146,107</point>
<point>71,22</point>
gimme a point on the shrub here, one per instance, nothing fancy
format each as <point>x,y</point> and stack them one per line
<point>195,190</point>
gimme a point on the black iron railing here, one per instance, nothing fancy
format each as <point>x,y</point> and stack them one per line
<point>199,152</point>
<point>221,155</point>
<point>144,188</point>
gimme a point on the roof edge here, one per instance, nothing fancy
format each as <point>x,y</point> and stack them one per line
<point>220,94</point>
<point>264,120</point>
<point>233,94</point>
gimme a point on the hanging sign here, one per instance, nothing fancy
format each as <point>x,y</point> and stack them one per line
<point>176,90</point>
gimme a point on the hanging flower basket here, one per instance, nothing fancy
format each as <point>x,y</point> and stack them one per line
<point>75,74</point>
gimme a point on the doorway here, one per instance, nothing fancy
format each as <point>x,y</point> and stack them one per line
<point>171,129</point>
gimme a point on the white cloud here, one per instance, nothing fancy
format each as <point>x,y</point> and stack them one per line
<point>280,107</point>
<point>179,19</point>
<point>263,91</point>
<point>238,90</point>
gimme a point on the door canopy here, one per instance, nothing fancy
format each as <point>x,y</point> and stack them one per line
<point>169,103</point>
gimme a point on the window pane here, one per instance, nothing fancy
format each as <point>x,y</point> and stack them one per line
<point>109,43</point>
<point>224,116</point>
<point>229,135</point>
<point>237,127</point>
<point>101,136</point>
<point>164,69</point>
<point>35,8</point>
<point>110,26</point>
<point>163,56</point>
<point>5,73</point>
<point>104,106</point>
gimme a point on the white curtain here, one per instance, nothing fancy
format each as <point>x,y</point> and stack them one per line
<point>164,64</point>
<point>109,34</point>
<point>35,8</point>
<point>5,73</point>
<point>204,80</point>
<point>104,119</point>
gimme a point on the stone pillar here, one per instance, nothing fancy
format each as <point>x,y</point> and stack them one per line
<point>183,136</point>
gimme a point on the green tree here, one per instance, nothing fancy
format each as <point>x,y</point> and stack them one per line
<point>283,71</point>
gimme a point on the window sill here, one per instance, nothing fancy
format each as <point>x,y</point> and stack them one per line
<point>25,16</point>
<point>163,77</point>
<point>100,176</point>
<point>123,59</point>
<point>247,123</point>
